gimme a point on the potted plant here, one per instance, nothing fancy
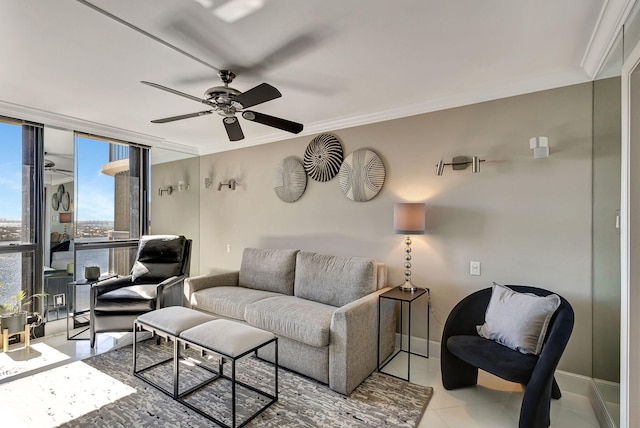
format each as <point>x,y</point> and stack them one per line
<point>14,315</point>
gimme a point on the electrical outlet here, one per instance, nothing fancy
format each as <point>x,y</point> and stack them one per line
<point>228,248</point>
<point>474,268</point>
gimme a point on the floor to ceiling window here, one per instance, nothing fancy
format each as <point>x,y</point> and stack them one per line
<point>110,203</point>
<point>20,208</point>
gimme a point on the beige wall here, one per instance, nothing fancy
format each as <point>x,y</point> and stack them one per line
<point>606,239</point>
<point>178,213</point>
<point>527,221</point>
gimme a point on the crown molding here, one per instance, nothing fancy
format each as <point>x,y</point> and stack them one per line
<point>498,91</point>
<point>612,17</point>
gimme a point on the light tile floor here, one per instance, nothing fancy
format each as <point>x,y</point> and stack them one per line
<point>494,403</point>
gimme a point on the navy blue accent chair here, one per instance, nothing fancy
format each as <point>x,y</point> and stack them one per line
<point>463,352</point>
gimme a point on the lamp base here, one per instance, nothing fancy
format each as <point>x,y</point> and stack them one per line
<point>408,286</point>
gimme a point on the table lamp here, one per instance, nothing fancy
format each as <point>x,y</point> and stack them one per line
<point>408,219</point>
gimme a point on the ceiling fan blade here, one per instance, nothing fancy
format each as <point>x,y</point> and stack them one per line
<point>234,131</point>
<point>257,95</point>
<point>182,116</point>
<point>276,122</point>
<point>182,94</point>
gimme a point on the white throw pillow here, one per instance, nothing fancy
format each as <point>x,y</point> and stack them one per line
<point>518,320</point>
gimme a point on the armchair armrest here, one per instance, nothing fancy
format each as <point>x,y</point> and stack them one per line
<point>197,283</point>
<point>353,347</point>
<point>111,284</point>
<point>165,295</point>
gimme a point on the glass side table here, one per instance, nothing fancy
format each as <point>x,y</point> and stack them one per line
<point>405,298</point>
<point>78,307</point>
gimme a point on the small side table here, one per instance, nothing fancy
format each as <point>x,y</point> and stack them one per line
<point>80,318</point>
<point>404,297</point>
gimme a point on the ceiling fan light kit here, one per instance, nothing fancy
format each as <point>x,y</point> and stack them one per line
<point>227,101</point>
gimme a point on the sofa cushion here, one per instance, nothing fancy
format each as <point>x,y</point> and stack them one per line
<point>268,269</point>
<point>298,319</point>
<point>227,301</point>
<point>334,280</point>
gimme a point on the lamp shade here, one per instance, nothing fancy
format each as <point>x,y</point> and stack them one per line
<point>409,218</point>
<point>65,218</point>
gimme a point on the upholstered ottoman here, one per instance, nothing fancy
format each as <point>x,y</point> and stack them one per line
<point>168,323</point>
<point>231,341</point>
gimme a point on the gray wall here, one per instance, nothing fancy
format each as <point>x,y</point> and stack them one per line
<point>527,221</point>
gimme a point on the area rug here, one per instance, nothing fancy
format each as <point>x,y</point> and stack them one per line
<point>103,393</point>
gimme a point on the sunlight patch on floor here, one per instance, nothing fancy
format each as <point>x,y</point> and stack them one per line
<point>23,359</point>
<point>43,399</point>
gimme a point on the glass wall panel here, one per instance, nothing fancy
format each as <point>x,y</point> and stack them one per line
<point>110,204</point>
<point>20,209</point>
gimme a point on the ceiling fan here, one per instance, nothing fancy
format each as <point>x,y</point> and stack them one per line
<point>50,166</point>
<point>227,101</point>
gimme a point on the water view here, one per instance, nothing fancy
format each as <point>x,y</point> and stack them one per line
<point>11,264</point>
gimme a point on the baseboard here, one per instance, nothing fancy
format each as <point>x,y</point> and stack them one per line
<point>574,383</point>
<point>419,345</point>
<point>570,382</point>
<point>599,396</point>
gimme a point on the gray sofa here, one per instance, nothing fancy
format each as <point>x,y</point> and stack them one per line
<point>322,308</point>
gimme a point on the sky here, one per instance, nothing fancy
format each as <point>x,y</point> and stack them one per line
<point>93,199</point>
<point>10,171</point>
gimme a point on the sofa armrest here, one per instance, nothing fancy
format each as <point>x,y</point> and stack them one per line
<point>197,283</point>
<point>353,346</point>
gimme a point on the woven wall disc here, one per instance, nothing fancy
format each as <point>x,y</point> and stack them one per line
<point>323,157</point>
<point>362,175</point>
<point>289,179</point>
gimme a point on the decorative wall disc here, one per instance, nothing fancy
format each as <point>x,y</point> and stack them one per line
<point>323,157</point>
<point>362,175</point>
<point>60,191</point>
<point>289,179</point>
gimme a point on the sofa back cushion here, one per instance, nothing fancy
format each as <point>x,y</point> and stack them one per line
<point>268,269</point>
<point>334,280</point>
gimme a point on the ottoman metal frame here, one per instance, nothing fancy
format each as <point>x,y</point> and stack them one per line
<point>204,349</point>
<point>178,342</point>
<point>139,326</point>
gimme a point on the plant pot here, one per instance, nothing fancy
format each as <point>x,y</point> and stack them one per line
<point>14,323</point>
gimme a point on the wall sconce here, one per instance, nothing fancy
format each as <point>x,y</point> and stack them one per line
<point>207,182</point>
<point>231,184</point>
<point>181,187</point>
<point>540,147</point>
<point>460,162</point>
<point>168,190</point>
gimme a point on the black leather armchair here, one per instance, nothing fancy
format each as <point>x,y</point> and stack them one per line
<point>156,281</point>
<point>463,351</point>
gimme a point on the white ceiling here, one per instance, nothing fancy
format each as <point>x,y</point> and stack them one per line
<point>341,63</point>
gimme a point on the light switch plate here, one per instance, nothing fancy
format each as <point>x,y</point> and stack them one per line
<point>474,268</point>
